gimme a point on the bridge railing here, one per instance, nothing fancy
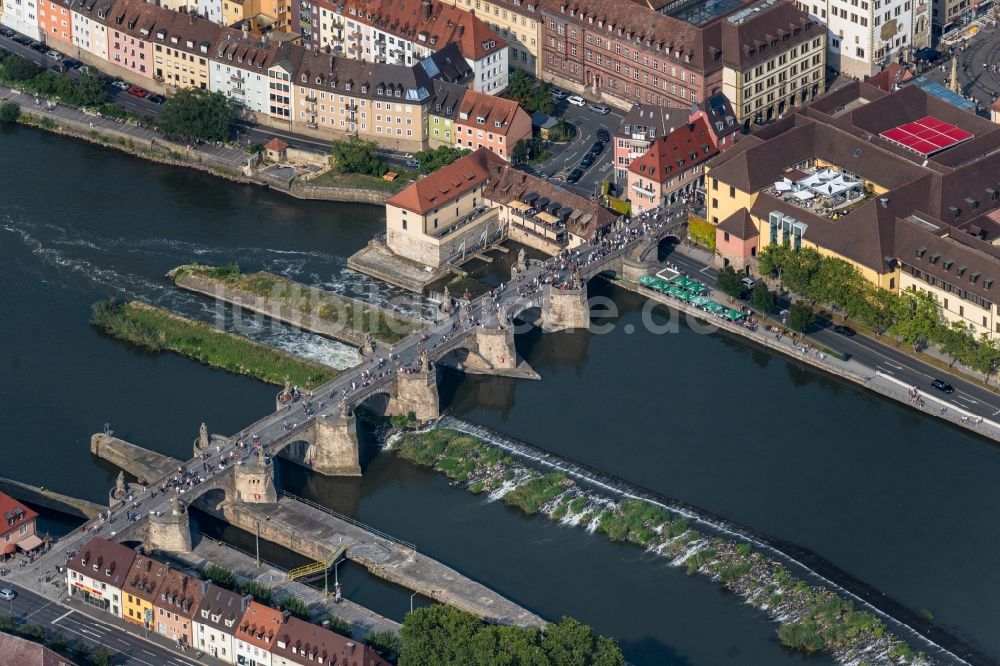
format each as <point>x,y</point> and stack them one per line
<point>348,519</point>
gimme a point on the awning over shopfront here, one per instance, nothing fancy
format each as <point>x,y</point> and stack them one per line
<point>29,543</point>
<point>518,205</point>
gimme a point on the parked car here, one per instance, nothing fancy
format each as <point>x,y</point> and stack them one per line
<point>576,100</point>
<point>6,32</point>
<point>54,55</point>
<point>136,91</point>
<point>574,176</point>
<point>600,108</point>
<point>37,46</point>
<point>58,67</point>
<point>942,385</point>
<point>121,85</point>
<point>72,64</point>
<point>603,135</point>
<point>587,160</point>
<point>21,39</point>
<point>7,594</point>
<point>748,283</point>
<point>412,164</point>
<point>597,148</point>
<point>157,99</point>
<point>558,94</point>
<point>845,331</point>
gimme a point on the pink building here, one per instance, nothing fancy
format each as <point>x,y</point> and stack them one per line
<point>672,167</point>
<point>736,241</point>
<point>130,28</point>
<point>18,527</point>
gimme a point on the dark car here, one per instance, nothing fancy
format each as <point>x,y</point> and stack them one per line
<point>574,176</point>
<point>603,135</point>
<point>21,39</point>
<point>58,67</point>
<point>157,99</point>
<point>37,46</point>
<point>597,148</point>
<point>6,32</point>
<point>587,160</point>
<point>845,331</point>
<point>942,385</point>
<point>72,64</point>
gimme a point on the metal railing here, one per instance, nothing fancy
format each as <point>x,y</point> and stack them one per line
<point>348,519</point>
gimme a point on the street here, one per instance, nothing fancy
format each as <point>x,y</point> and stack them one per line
<point>76,623</point>
<point>975,72</point>
<point>880,354</point>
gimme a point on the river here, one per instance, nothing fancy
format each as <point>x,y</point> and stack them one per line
<point>900,501</point>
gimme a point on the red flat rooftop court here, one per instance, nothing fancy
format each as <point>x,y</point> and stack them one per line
<point>927,135</point>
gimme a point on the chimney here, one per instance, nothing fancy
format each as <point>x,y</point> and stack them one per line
<point>425,9</point>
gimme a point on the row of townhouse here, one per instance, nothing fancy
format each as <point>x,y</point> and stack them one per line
<point>196,613</point>
<point>403,32</point>
<point>275,83</point>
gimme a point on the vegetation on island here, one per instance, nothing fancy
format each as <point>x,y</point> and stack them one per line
<point>811,618</point>
<point>530,93</point>
<point>158,330</point>
<point>443,635</point>
<point>354,318</point>
<point>75,650</point>
<point>192,114</point>
<point>912,317</point>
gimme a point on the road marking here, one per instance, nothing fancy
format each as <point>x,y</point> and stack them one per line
<point>151,654</point>
<point>881,369</point>
<point>969,398</point>
<point>123,641</point>
<point>64,615</point>
<point>894,365</point>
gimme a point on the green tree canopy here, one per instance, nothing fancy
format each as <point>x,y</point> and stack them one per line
<point>358,156</point>
<point>762,298</point>
<point>532,94</point>
<point>800,317</point>
<point>432,160</point>
<point>194,114</point>
<point>730,282</point>
<point>9,112</point>
<point>916,318</point>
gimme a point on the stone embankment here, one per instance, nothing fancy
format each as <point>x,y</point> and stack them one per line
<point>307,307</point>
<point>318,533</point>
<point>49,499</point>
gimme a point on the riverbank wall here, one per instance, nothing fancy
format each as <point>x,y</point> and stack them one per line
<point>849,370</point>
<point>49,499</point>
<point>149,145</point>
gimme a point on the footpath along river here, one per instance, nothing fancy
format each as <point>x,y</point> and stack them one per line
<point>900,501</point>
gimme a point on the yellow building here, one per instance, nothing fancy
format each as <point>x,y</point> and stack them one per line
<point>828,177</point>
<point>517,21</point>
<point>181,47</point>
<point>139,591</point>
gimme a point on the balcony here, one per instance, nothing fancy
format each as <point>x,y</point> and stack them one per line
<point>645,191</point>
<point>311,98</point>
<point>548,227</point>
<point>478,216</point>
<point>238,92</point>
<point>351,106</point>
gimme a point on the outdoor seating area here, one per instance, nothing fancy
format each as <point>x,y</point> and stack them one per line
<point>828,192</point>
<point>691,291</point>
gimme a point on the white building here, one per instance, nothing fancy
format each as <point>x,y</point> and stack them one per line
<point>97,573</point>
<point>22,16</point>
<point>89,33</point>
<point>211,9</point>
<point>866,35</point>
<point>216,621</point>
<point>239,69</point>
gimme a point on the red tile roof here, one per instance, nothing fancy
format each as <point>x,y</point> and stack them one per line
<point>491,109</point>
<point>103,561</point>
<point>9,508</point>
<point>145,577</point>
<point>685,147</point>
<point>300,641</point>
<point>447,184</point>
<point>431,24</point>
<point>15,651</point>
<point>276,144</point>
<point>260,625</point>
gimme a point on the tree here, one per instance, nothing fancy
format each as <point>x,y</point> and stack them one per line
<point>192,115</point>
<point>16,68</point>
<point>955,341</point>
<point>529,92</point>
<point>986,357</point>
<point>91,91</point>
<point>571,643</point>
<point>387,643</point>
<point>260,592</point>
<point>800,317</point>
<point>221,576</point>
<point>9,112</point>
<point>295,606</point>
<point>432,160</point>
<point>762,298</point>
<point>358,156</point>
<point>338,625</point>
<point>527,149</point>
<point>729,281</point>
<point>917,318</point>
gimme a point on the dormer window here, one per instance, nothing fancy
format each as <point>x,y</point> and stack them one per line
<point>480,119</point>
<point>920,252</point>
<point>948,263</point>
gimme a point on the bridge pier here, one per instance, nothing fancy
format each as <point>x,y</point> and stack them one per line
<point>416,392</point>
<point>633,269</point>
<point>254,481</point>
<point>334,446</point>
<point>496,347</point>
<point>565,308</point>
<point>171,531</point>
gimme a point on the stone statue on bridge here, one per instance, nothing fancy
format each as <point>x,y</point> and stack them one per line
<point>368,348</point>
<point>576,280</point>
<point>203,440</point>
<point>286,393</point>
<point>425,361</point>
<point>446,305</point>
<point>119,492</point>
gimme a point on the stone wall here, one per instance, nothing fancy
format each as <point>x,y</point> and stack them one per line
<point>436,251</point>
<point>48,499</point>
<point>565,308</point>
<point>137,461</point>
<point>497,347</point>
